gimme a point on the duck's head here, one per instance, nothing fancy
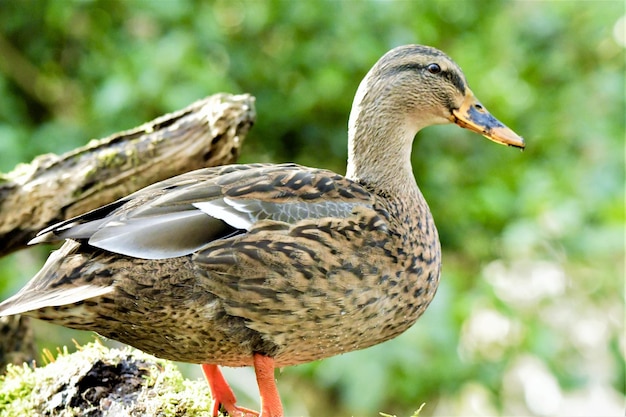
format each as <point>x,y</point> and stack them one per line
<point>420,86</point>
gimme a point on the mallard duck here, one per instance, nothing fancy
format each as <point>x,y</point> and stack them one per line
<point>270,265</point>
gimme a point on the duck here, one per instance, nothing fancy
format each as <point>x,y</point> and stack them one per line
<point>270,265</point>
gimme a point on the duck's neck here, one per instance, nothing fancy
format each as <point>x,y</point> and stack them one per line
<point>379,149</point>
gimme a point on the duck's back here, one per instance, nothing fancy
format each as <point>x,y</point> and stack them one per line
<point>296,263</point>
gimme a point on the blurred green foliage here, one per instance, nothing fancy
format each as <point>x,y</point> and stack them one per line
<point>530,313</point>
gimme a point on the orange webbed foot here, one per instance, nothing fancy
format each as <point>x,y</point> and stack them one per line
<point>223,396</point>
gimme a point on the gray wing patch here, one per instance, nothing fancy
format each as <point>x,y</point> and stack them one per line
<point>165,236</point>
<point>243,213</point>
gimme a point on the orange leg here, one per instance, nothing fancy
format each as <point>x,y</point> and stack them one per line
<point>223,396</point>
<point>270,400</point>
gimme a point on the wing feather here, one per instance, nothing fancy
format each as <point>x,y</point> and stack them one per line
<point>178,216</point>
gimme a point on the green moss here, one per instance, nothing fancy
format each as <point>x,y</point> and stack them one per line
<point>110,158</point>
<point>97,381</point>
<point>415,414</point>
<point>133,156</point>
<point>90,172</point>
<point>15,390</point>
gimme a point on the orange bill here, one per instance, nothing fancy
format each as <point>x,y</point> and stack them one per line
<point>473,116</point>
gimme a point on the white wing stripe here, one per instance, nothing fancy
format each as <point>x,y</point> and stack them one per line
<point>223,210</point>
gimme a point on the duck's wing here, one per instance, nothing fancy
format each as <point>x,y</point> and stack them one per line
<point>177,217</point>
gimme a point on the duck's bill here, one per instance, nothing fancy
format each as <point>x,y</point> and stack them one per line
<point>473,116</point>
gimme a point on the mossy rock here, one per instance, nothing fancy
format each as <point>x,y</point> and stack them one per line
<point>97,381</point>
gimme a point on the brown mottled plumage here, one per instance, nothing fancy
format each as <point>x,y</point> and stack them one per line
<point>270,265</point>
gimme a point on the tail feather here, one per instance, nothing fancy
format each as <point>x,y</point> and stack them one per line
<point>22,303</point>
<point>39,291</point>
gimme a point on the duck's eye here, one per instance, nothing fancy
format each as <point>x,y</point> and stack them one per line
<point>433,68</point>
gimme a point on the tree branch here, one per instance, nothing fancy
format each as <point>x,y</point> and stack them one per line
<point>52,188</point>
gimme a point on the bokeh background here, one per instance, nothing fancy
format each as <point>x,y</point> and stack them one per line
<point>529,317</point>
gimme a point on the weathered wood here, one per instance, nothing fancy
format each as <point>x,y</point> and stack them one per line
<point>209,132</point>
<point>17,343</point>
